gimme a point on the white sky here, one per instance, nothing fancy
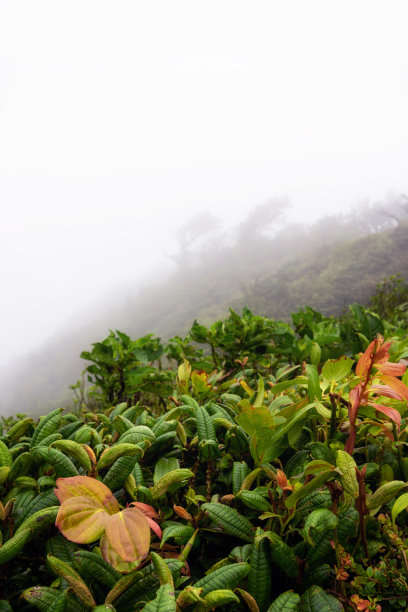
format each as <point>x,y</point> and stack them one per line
<point>120,120</point>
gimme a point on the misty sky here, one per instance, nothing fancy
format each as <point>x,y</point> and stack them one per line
<point>120,120</point>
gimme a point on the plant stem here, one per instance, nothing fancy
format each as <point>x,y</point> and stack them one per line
<point>333,419</point>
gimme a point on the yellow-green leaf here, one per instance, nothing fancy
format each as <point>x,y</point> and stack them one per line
<point>81,520</point>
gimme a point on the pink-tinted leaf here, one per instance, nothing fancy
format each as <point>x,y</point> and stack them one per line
<point>393,414</point>
<point>112,557</point>
<point>392,369</point>
<point>150,513</point>
<point>147,510</point>
<point>85,486</point>
<point>155,527</point>
<point>397,385</point>
<point>128,533</point>
<point>81,520</point>
<point>385,391</point>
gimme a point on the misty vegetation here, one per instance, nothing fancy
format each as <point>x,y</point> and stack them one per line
<point>273,266</point>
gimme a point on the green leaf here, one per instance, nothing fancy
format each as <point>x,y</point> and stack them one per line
<point>41,597</point>
<point>317,466</point>
<point>176,476</point>
<point>259,577</point>
<point>335,370</point>
<point>385,494</point>
<point>400,504</point>
<point>92,567</point>
<point>313,385</point>
<point>163,467</point>
<point>317,600</point>
<point>74,580</point>
<point>220,597</point>
<point>230,521</point>
<point>282,554</point>
<point>319,521</point>
<point>347,467</point>
<point>164,601</point>
<point>260,393</point>
<point>304,490</point>
<point>226,577</point>
<point>162,570</point>
<point>286,602</point>
<point>181,533</point>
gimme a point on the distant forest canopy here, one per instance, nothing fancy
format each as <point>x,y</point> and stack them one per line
<point>272,266</point>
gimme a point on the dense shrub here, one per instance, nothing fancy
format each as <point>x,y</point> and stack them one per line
<point>252,465</point>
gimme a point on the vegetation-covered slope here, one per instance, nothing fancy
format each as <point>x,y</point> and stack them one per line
<point>252,465</point>
<point>327,266</point>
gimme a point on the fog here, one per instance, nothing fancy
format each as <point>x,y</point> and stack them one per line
<point>121,121</point>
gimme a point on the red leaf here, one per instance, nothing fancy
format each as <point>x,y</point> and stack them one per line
<point>155,527</point>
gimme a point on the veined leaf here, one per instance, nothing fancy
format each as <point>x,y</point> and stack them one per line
<point>319,521</point>
<point>385,493</point>
<point>347,467</point>
<point>286,602</point>
<point>226,577</point>
<point>165,600</point>
<point>335,370</point>
<point>317,600</point>
<point>230,520</point>
<point>304,490</point>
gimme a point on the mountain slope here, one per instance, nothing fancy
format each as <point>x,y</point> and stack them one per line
<point>326,277</point>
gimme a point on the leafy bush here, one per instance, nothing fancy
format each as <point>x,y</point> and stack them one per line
<point>266,471</point>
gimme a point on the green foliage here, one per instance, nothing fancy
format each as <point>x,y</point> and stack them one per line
<point>240,458</point>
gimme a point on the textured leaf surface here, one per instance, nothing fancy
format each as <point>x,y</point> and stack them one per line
<point>317,600</point>
<point>230,520</point>
<point>164,601</point>
<point>286,602</point>
<point>226,577</point>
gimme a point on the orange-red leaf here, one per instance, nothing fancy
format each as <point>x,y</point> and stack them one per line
<point>385,391</point>
<point>382,350</point>
<point>392,369</point>
<point>85,486</point>
<point>356,397</point>
<point>393,414</point>
<point>81,520</point>
<point>365,361</point>
<point>397,385</point>
<point>128,533</point>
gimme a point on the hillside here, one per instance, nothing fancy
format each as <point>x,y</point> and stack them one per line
<point>277,277</point>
